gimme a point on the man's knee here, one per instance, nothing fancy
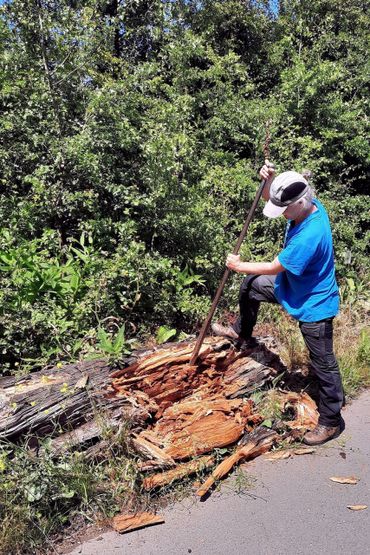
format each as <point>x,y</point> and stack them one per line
<point>326,367</point>
<point>246,286</point>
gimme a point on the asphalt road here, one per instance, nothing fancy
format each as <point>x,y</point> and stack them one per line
<point>293,508</point>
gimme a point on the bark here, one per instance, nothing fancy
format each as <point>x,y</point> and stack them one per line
<point>57,399</point>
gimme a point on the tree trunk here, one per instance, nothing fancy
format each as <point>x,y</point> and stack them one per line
<point>62,399</point>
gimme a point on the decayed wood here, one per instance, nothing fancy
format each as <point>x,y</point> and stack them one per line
<point>151,451</point>
<point>215,430</point>
<point>259,442</point>
<point>127,523</point>
<point>64,399</point>
<point>60,399</point>
<point>166,377</point>
<point>196,425</point>
<point>306,413</point>
<point>199,408</point>
<point>89,431</point>
<point>181,471</point>
<point>180,411</point>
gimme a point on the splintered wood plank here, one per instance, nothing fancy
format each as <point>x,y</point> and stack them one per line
<point>170,356</point>
<point>167,357</point>
<point>260,442</point>
<point>151,451</point>
<point>127,523</point>
<point>181,471</point>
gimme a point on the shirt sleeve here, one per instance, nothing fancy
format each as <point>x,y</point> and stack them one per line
<point>296,256</point>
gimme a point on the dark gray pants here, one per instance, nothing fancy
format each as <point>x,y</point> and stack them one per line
<point>318,337</point>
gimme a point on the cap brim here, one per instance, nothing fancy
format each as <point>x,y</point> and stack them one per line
<point>272,211</point>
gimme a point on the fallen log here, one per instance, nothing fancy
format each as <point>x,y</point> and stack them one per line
<point>176,411</point>
<point>63,399</point>
<point>67,399</point>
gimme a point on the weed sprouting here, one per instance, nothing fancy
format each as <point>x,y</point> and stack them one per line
<point>41,493</point>
<point>243,482</point>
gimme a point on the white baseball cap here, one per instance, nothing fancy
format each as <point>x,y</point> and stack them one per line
<point>288,187</point>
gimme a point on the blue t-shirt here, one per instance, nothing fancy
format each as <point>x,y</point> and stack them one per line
<point>308,289</point>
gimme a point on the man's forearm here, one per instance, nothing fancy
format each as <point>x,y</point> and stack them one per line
<point>268,268</point>
<point>266,189</point>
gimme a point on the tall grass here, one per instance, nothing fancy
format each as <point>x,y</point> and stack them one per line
<point>351,346</point>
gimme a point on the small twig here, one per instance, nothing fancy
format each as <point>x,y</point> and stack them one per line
<point>63,61</point>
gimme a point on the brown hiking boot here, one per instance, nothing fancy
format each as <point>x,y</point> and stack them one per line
<point>321,434</point>
<point>224,331</point>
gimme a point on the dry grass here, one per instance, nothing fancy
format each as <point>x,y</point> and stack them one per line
<point>351,346</point>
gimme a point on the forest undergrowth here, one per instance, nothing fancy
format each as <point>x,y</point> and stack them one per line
<point>131,135</point>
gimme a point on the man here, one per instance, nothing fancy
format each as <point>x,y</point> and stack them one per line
<point>302,279</point>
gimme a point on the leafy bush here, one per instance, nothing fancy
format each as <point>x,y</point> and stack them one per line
<point>129,157</point>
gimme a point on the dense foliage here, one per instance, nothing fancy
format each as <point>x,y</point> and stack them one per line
<point>130,139</point>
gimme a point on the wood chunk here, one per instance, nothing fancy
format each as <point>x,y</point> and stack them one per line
<point>196,426</point>
<point>165,357</point>
<point>352,480</point>
<point>214,430</point>
<point>179,472</point>
<point>247,374</point>
<point>305,451</point>
<point>259,442</point>
<point>279,455</point>
<point>152,466</point>
<point>127,523</point>
<point>306,414</point>
<point>70,440</point>
<point>151,451</point>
